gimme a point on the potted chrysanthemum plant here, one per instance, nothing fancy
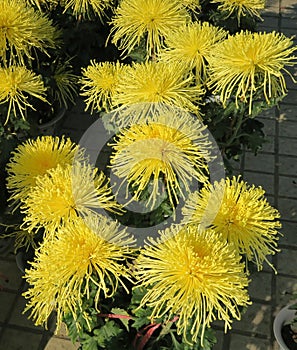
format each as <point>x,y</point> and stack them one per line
<point>168,289</point>
<point>36,78</point>
<point>35,72</point>
<point>42,49</point>
<point>285,326</point>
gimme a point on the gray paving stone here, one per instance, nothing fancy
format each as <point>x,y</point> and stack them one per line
<point>10,269</point>
<point>262,279</point>
<point>285,288</point>
<point>283,257</point>
<point>288,128</point>
<point>14,339</point>
<point>288,187</point>
<point>288,146</point>
<point>290,97</point>
<point>289,232</point>
<point>256,319</point>
<point>268,145</point>
<point>288,209</point>
<point>260,162</point>
<point>288,111</point>
<point>20,319</point>
<point>61,344</point>
<point>269,124</point>
<point>266,181</point>
<point>270,22</point>
<point>6,300</point>
<point>288,8</point>
<point>271,6</point>
<point>240,342</point>
<point>219,344</point>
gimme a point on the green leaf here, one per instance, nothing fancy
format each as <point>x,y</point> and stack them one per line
<point>142,317</point>
<point>106,333</point>
<point>90,343</point>
<point>119,311</point>
<point>137,294</point>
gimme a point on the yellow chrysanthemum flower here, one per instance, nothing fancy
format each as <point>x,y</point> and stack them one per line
<point>248,63</point>
<point>22,31</point>
<point>47,4</point>
<point>240,213</point>
<point>241,7</point>
<point>169,83</point>
<point>86,251</point>
<point>191,44</point>
<point>84,8</point>
<point>151,20</point>
<point>194,275</point>
<point>99,84</point>
<point>192,5</point>
<point>34,158</point>
<point>170,146</point>
<point>65,193</point>
<point>17,83</point>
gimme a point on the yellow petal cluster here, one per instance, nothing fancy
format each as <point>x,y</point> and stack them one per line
<point>64,194</point>
<point>34,158</point>
<point>22,30</point>
<point>78,8</point>
<point>17,84</point>
<point>240,214</point>
<point>250,64</point>
<point>191,44</point>
<point>47,4</point>
<point>160,82</point>
<point>192,5</point>
<point>81,253</point>
<point>148,20</point>
<point>99,84</point>
<point>241,8</point>
<point>84,8</point>
<point>194,275</point>
<point>170,147</point>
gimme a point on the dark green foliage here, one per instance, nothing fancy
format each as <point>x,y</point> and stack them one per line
<point>128,327</point>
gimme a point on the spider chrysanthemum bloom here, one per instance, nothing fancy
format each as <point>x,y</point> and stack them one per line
<point>65,193</point>
<point>168,83</point>
<point>87,251</point>
<point>44,4</point>
<point>22,30</point>
<point>194,275</point>
<point>84,8</point>
<point>17,84</point>
<point>241,8</point>
<point>240,213</point>
<point>172,148</point>
<point>34,158</point>
<point>247,64</point>
<point>191,44</point>
<point>193,5</point>
<point>150,20</point>
<point>99,84</point>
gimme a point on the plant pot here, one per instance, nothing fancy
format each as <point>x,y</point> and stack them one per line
<point>23,259</point>
<point>285,315</point>
<point>49,127</point>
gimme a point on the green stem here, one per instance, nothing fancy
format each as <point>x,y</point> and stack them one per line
<point>235,130</point>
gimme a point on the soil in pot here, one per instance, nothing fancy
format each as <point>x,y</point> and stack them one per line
<point>289,337</point>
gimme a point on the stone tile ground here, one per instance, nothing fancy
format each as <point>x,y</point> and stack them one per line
<point>275,168</point>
